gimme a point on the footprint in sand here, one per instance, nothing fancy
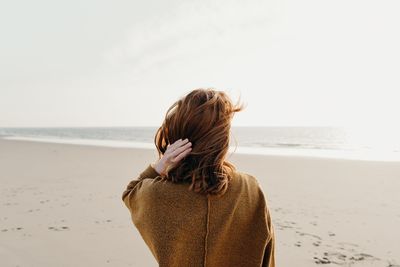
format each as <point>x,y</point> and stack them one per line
<point>342,259</point>
<point>32,210</point>
<point>283,226</point>
<point>307,234</point>
<point>11,204</point>
<point>16,228</point>
<point>323,260</point>
<point>58,229</point>
<point>103,221</point>
<point>316,243</point>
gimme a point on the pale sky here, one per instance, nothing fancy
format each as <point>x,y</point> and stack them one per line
<point>123,63</point>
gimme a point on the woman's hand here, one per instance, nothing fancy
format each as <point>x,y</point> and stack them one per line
<point>172,155</point>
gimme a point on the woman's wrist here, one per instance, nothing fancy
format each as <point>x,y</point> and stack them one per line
<point>157,167</point>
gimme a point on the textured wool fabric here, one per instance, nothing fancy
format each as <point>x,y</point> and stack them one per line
<point>183,228</point>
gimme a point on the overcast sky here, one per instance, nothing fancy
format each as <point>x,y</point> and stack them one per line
<point>123,63</point>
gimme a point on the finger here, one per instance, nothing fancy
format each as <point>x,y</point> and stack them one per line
<point>180,149</point>
<point>174,144</point>
<point>178,143</point>
<point>171,147</point>
<point>182,155</point>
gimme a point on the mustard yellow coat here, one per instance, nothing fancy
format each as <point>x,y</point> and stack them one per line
<point>183,228</point>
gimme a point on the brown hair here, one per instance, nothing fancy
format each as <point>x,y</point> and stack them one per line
<point>204,117</point>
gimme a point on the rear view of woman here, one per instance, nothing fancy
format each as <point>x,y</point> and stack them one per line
<point>192,207</point>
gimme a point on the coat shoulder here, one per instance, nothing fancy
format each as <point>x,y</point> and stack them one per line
<point>247,177</point>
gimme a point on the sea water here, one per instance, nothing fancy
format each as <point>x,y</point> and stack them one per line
<point>337,142</point>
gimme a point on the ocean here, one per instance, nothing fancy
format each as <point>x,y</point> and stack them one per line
<point>309,141</point>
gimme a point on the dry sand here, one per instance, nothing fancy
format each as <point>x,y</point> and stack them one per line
<point>60,205</point>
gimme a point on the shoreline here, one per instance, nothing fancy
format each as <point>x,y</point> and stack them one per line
<point>368,155</point>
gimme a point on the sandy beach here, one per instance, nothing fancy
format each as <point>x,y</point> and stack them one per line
<point>61,206</point>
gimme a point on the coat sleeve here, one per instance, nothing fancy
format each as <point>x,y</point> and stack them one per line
<point>269,252</point>
<point>149,172</point>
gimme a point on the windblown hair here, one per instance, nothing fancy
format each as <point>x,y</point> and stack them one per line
<point>204,117</point>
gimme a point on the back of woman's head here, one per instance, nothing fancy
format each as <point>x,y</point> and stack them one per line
<point>204,117</point>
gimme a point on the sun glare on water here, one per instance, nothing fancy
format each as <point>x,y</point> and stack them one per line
<point>380,138</point>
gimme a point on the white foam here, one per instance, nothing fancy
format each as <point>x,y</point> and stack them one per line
<point>372,155</point>
<point>88,142</point>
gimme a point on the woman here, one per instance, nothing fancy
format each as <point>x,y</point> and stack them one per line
<point>192,207</point>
